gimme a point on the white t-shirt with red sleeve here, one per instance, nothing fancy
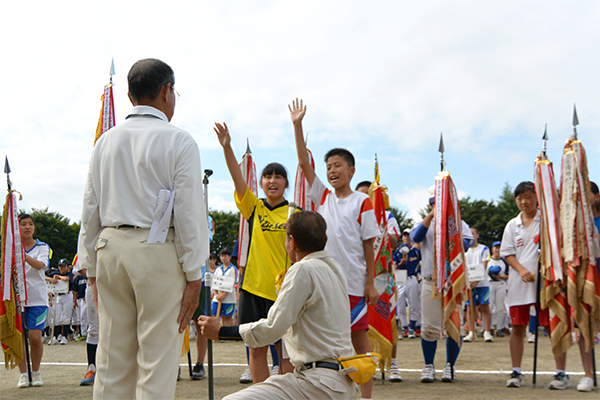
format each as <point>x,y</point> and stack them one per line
<point>350,221</point>
<point>37,295</point>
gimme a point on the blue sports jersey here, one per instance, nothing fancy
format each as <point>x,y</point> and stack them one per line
<point>412,264</point>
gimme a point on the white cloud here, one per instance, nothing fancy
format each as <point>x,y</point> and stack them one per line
<point>381,78</point>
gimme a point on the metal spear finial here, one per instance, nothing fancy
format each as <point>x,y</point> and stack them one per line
<point>545,139</point>
<point>441,150</point>
<point>575,122</point>
<point>248,146</point>
<point>7,172</point>
<point>112,69</point>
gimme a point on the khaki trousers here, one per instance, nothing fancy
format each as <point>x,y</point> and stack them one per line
<point>140,288</point>
<point>302,384</point>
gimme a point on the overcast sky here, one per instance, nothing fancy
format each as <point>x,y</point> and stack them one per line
<point>379,77</point>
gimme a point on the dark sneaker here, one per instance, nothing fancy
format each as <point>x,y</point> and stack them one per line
<point>198,372</point>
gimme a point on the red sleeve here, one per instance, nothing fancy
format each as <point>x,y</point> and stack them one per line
<point>366,205</point>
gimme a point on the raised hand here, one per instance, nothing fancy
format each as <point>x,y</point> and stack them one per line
<point>223,134</point>
<point>297,111</point>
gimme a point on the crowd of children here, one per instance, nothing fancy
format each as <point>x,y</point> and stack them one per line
<point>503,299</point>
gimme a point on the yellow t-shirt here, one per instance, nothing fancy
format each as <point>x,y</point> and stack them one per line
<point>267,256</point>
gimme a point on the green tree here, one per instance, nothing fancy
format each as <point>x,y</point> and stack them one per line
<point>58,232</point>
<point>226,230</point>
<point>483,215</point>
<point>404,221</point>
<point>506,205</point>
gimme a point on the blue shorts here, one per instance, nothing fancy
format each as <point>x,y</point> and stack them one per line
<point>35,317</point>
<point>227,309</point>
<point>481,296</point>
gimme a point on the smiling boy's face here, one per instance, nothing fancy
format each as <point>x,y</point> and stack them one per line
<point>339,173</point>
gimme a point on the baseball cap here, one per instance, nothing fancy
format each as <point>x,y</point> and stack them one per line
<point>431,193</point>
<point>63,261</point>
<point>496,244</point>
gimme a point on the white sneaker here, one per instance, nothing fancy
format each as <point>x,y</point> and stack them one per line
<point>275,370</point>
<point>585,384</point>
<point>246,376</point>
<point>36,379</point>
<point>560,382</point>
<point>447,373</point>
<point>411,334</point>
<point>515,380</point>
<point>53,341</point>
<point>428,374</point>
<point>469,337</point>
<point>531,337</point>
<point>487,336</point>
<point>77,336</point>
<point>60,336</point>
<point>63,340</point>
<point>395,374</point>
<point>23,381</point>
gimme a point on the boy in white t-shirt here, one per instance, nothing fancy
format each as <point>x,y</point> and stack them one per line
<point>479,254</point>
<point>520,244</point>
<point>351,227</point>
<point>228,300</point>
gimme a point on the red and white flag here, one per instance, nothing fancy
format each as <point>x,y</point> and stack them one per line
<point>107,112</point>
<point>12,284</point>
<point>581,244</point>
<point>249,174</point>
<point>553,294</point>
<point>301,188</point>
<point>449,254</point>
<point>383,331</point>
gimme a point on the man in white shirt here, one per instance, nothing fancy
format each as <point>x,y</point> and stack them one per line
<point>147,291</point>
<point>311,316</point>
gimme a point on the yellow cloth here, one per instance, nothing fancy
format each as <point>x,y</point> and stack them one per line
<point>267,256</point>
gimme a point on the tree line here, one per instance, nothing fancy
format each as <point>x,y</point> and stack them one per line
<point>489,217</point>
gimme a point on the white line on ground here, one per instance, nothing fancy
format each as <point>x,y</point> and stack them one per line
<point>466,371</point>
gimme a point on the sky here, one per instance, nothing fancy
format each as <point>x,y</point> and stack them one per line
<point>379,78</point>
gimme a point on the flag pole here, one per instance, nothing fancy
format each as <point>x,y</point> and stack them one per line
<point>441,149</point>
<point>538,286</point>
<point>575,123</point>
<point>24,324</point>
<point>112,69</point>
<point>208,284</point>
<point>574,137</point>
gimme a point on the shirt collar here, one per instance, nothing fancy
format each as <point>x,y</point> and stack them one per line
<point>149,110</point>
<point>316,254</point>
<point>536,218</point>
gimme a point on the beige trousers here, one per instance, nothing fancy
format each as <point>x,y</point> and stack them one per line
<point>317,383</point>
<point>140,289</point>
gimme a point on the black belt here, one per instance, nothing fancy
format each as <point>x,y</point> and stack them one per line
<point>125,226</point>
<point>323,364</point>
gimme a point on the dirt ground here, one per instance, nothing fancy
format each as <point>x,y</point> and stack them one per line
<point>482,370</point>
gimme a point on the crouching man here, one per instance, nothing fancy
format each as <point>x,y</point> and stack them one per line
<point>312,316</point>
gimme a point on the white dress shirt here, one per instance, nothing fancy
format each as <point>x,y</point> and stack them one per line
<point>313,308</point>
<point>129,165</point>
